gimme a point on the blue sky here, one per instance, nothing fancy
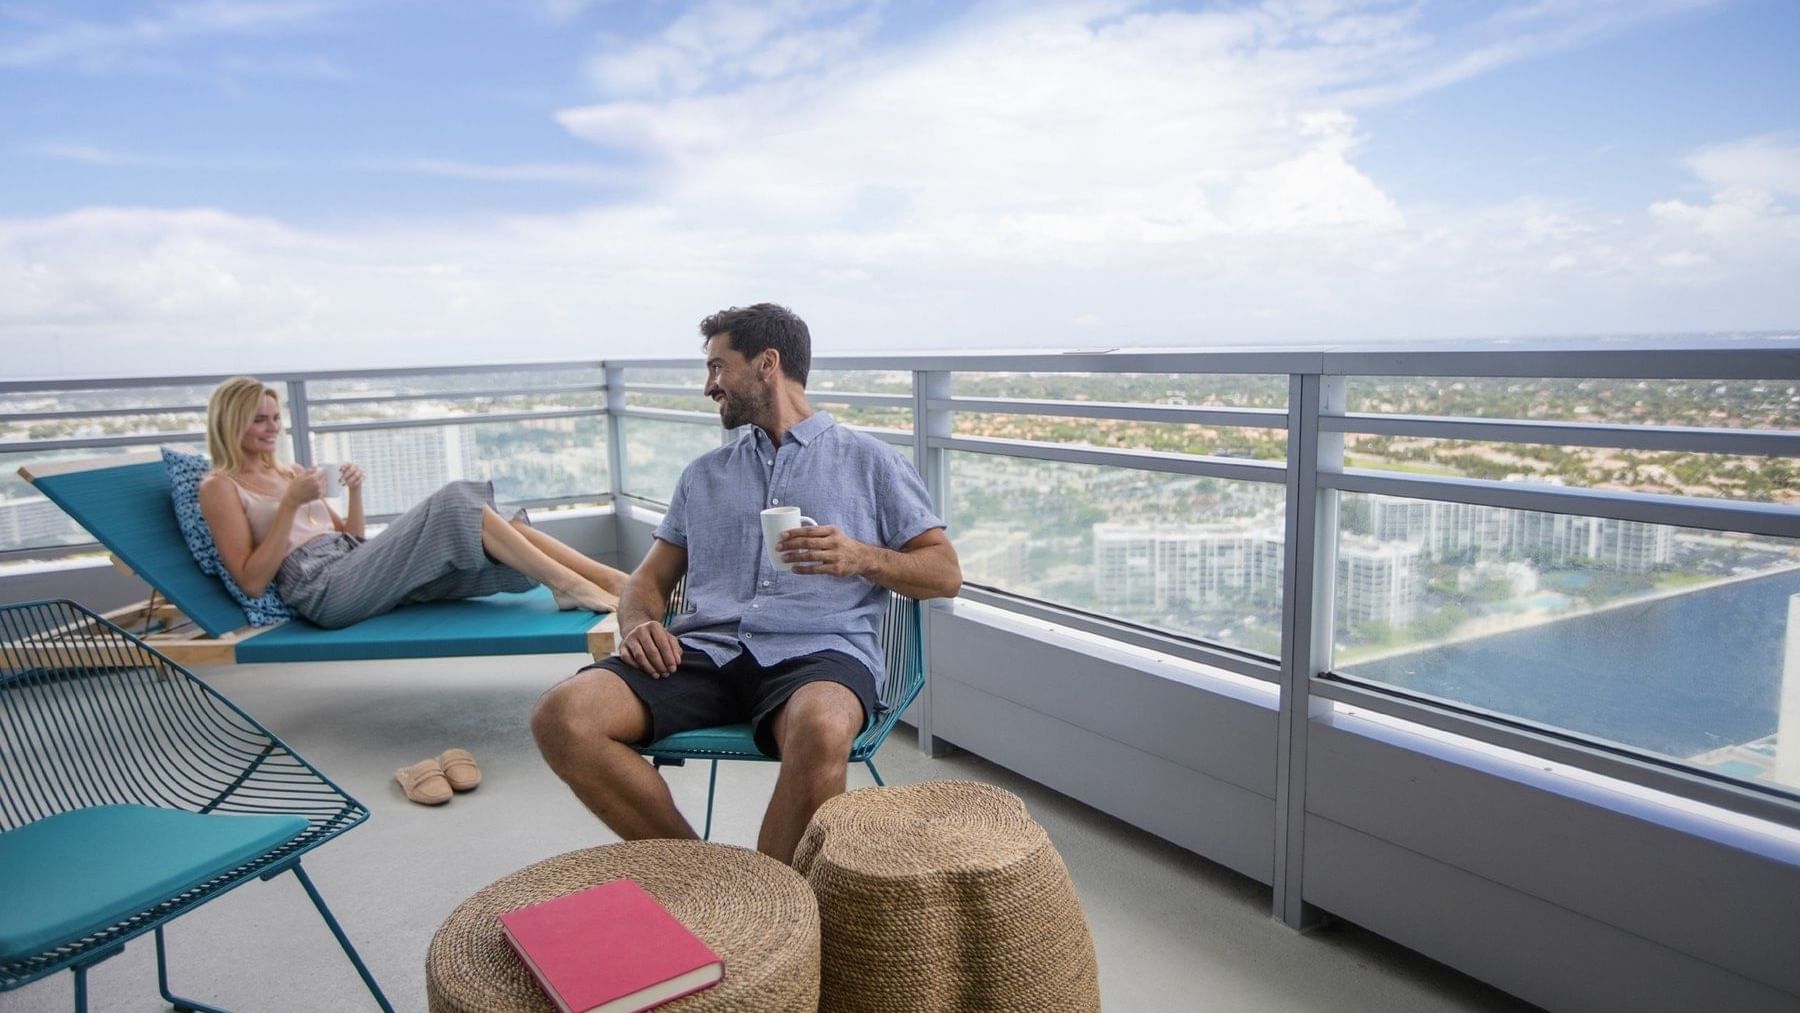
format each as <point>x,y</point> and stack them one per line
<point>326,183</point>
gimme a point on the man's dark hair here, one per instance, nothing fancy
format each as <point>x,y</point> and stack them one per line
<point>765,325</point>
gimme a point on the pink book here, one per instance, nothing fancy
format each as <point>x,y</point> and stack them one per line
<point>610,948</point>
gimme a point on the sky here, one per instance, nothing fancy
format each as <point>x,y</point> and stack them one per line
<point>209,186</point>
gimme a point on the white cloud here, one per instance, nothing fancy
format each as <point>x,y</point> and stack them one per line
<point>1770,164</point>
<point>1033,175</point>
<point>92,154</point>
<point>525,172</point>
<point>723,41</point>
<point>144,41</point>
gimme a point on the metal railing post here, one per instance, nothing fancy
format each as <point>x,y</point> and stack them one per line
<point>615,440</point>
<point>299,423</point>
<point>933,465</point>
<point>1309,573</point>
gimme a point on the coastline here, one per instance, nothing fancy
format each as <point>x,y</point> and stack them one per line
<point>1528,620</point>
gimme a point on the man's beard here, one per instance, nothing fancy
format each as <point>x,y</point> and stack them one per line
<point>741,409</point>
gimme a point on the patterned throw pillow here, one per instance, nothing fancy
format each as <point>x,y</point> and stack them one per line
<point>185,472</point>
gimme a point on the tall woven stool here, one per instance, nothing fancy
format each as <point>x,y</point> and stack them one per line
<point>944,895</point>
<point>753,911</point>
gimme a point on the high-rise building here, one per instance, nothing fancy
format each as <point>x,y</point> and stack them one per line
<point>1379,582</point>
<point>35,521</point>
<point>403,466</point>
<point>1450,530</point>
<point>1161,566</point>
<point>993,554</point>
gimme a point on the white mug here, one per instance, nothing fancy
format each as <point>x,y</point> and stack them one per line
<point>775,520</point>
<point>334,479</point>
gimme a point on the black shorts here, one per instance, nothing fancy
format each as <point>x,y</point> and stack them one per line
<point>701,694</point>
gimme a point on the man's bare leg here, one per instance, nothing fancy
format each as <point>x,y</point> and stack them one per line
<point>605,577</point>
<point>583,727</point>
<point>814,731</point>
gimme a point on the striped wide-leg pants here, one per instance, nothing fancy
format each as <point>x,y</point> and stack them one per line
<point>429,553</point>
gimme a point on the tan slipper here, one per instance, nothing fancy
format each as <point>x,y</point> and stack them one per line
<point>424,782</point>
<point>459,769</point>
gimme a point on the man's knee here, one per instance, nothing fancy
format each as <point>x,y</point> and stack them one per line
<point>592,706</point>
<point>822,718</point>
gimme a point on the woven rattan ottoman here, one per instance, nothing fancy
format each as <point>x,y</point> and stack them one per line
<point>753,911</point>
<point>946,896</point>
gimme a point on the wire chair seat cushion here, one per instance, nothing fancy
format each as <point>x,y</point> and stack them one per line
<point>65,874</point>
<point>738,742</point>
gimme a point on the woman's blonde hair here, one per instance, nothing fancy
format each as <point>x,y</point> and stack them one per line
<point>228,413</point>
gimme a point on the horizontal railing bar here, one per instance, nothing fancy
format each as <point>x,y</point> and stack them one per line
<point>52,552</point>
<point>1142,460</point>
<point>208,379</point>
<point>1187,648</point>
<point>1200,415</point>
<point>451,395</point>
<point>669,415</point>
<point>1751,357</point>
<point>1724,359</point>
<point>897,437</point>
<point>474,419</point>
<point>596,498</point>
<point>94,442</point>
<point>1074,361</point>
<point>97,413</point>
<point>820,396</point>
<point>49,553</point>
<point>1680,511</point>
<point>1615,762</point>
<point>859,400</point>
<point>1690,439</point>
<point>1639,358</point>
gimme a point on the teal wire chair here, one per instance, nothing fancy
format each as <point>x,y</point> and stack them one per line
<point>903,653</point>
<point>131,793</point>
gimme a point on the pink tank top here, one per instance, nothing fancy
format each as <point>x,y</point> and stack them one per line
<point>310,521</point>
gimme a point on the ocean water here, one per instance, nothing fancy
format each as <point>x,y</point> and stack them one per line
<point>1679,676</point>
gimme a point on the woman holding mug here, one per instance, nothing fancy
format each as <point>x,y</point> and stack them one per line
<point>273,526</point>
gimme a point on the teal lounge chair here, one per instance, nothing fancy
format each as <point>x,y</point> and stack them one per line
<point>124,503</point>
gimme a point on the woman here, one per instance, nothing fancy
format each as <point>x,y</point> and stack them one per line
<point>273,526</point>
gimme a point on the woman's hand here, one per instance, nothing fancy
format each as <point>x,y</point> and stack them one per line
<point>350,475</point>
<point>307,486</point>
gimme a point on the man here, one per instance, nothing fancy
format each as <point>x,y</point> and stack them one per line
<point>793,653</point>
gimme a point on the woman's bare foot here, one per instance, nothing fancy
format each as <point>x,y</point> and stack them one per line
<point>584,595</point>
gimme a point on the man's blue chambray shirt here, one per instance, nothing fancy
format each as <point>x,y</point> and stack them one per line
<point>836,476</point>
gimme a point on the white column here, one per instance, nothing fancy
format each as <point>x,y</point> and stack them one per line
<point>1787,725</point>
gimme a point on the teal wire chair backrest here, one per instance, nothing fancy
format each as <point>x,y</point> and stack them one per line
<point>903,654</point>
<point>90,716</point>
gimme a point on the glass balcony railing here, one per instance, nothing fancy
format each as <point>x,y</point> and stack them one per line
<point>1593,550</point>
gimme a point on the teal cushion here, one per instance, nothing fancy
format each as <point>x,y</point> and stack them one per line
<point>185,472</point>
<point>75,873</point>
<point>733,740</point>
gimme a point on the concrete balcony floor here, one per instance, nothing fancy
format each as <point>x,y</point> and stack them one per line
<point>1173,931</point>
